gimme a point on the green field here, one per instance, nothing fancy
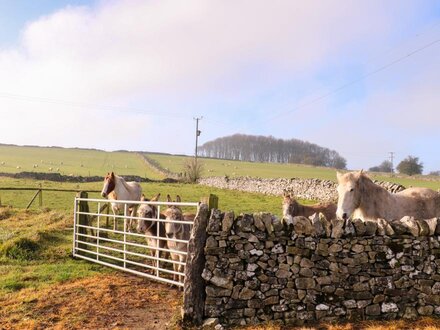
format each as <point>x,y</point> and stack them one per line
<point>72,161</point>
<point>220,167</point>
<point>96,162</point>
<point>239,202</point>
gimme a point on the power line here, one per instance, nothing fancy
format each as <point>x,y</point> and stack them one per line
<point>352,82</point>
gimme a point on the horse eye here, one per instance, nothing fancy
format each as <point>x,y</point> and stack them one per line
<point>352,189</point>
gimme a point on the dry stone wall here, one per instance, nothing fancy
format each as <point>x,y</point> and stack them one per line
<point>312,189</point>
<point>259,269</point>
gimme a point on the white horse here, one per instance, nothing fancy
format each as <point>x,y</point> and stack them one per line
<point>116,188</point>
<point>358,195</point>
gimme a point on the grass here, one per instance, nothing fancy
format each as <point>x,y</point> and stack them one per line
<point>35,249</point>
<point>95,162</point>
<point>239,202</point>
<point>220,167</point>
<point>72,161</point>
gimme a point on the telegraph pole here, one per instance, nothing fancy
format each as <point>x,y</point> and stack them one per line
<point>392,161</point>
<point>197,134</point>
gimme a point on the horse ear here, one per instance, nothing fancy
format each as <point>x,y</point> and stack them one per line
<point>178,200</point>
<point>168,198</point>
<point>156,198</point>
<point>361,171</point>
<point>112,174</point>
<point>142,198</point>
<point>338,175</point>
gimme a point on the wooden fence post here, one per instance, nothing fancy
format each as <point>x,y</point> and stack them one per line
<point>194,286</point>
<point>40,197</point>
<point>39,192</point>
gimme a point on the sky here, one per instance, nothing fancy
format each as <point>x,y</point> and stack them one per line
<point>358,77</point>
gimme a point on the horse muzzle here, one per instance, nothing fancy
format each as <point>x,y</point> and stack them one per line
<point>103,194</point>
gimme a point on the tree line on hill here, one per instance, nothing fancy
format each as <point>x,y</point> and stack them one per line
<point>410,165</point>
<point>269,149</point>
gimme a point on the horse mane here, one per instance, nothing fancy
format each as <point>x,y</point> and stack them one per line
<point>370,193</point>
<point>122,181</point>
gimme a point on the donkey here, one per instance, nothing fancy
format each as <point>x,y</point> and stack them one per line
<point>154,230</point>
<point>175,230</point>
<point>291,208</point>
<point>360,196</point>
<point>116,188</point>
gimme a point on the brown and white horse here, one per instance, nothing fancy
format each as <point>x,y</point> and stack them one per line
<point>358,195</point>
<point>154,230</point>
<point>176,230</point>
<point>291,208</point>
<point>116,188</point>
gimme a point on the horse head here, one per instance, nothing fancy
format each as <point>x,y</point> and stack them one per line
<point>173,212</point>
<point>146,211</point>
<point>289,205</point>
<point>350,187</point>
<point>109,184</point>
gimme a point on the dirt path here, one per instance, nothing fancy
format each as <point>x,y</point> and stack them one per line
<point>116,301</point>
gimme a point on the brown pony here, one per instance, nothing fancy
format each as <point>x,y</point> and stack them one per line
<point>291,208</point>
<point>358,195</point>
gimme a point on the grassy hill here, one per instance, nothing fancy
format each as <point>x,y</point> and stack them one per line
<point>221,167</point>
<point>85,162</point>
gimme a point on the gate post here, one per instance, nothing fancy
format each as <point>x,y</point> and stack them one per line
<point>194,286</point>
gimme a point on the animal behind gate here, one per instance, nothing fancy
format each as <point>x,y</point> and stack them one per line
<point>360,197</point>
<point>116,188</point>
<point>176,230</point>
<point>291,208</point>
<point>154,230</point>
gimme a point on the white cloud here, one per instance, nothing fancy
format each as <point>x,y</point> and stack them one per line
<point>173,56</point>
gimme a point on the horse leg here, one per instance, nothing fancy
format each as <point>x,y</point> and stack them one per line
<point>130,222</point>
<point>115,226</point>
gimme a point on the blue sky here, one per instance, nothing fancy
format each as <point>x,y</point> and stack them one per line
<point>132,74</point>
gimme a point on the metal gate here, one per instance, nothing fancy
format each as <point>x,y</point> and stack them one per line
<point>95,240</point>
